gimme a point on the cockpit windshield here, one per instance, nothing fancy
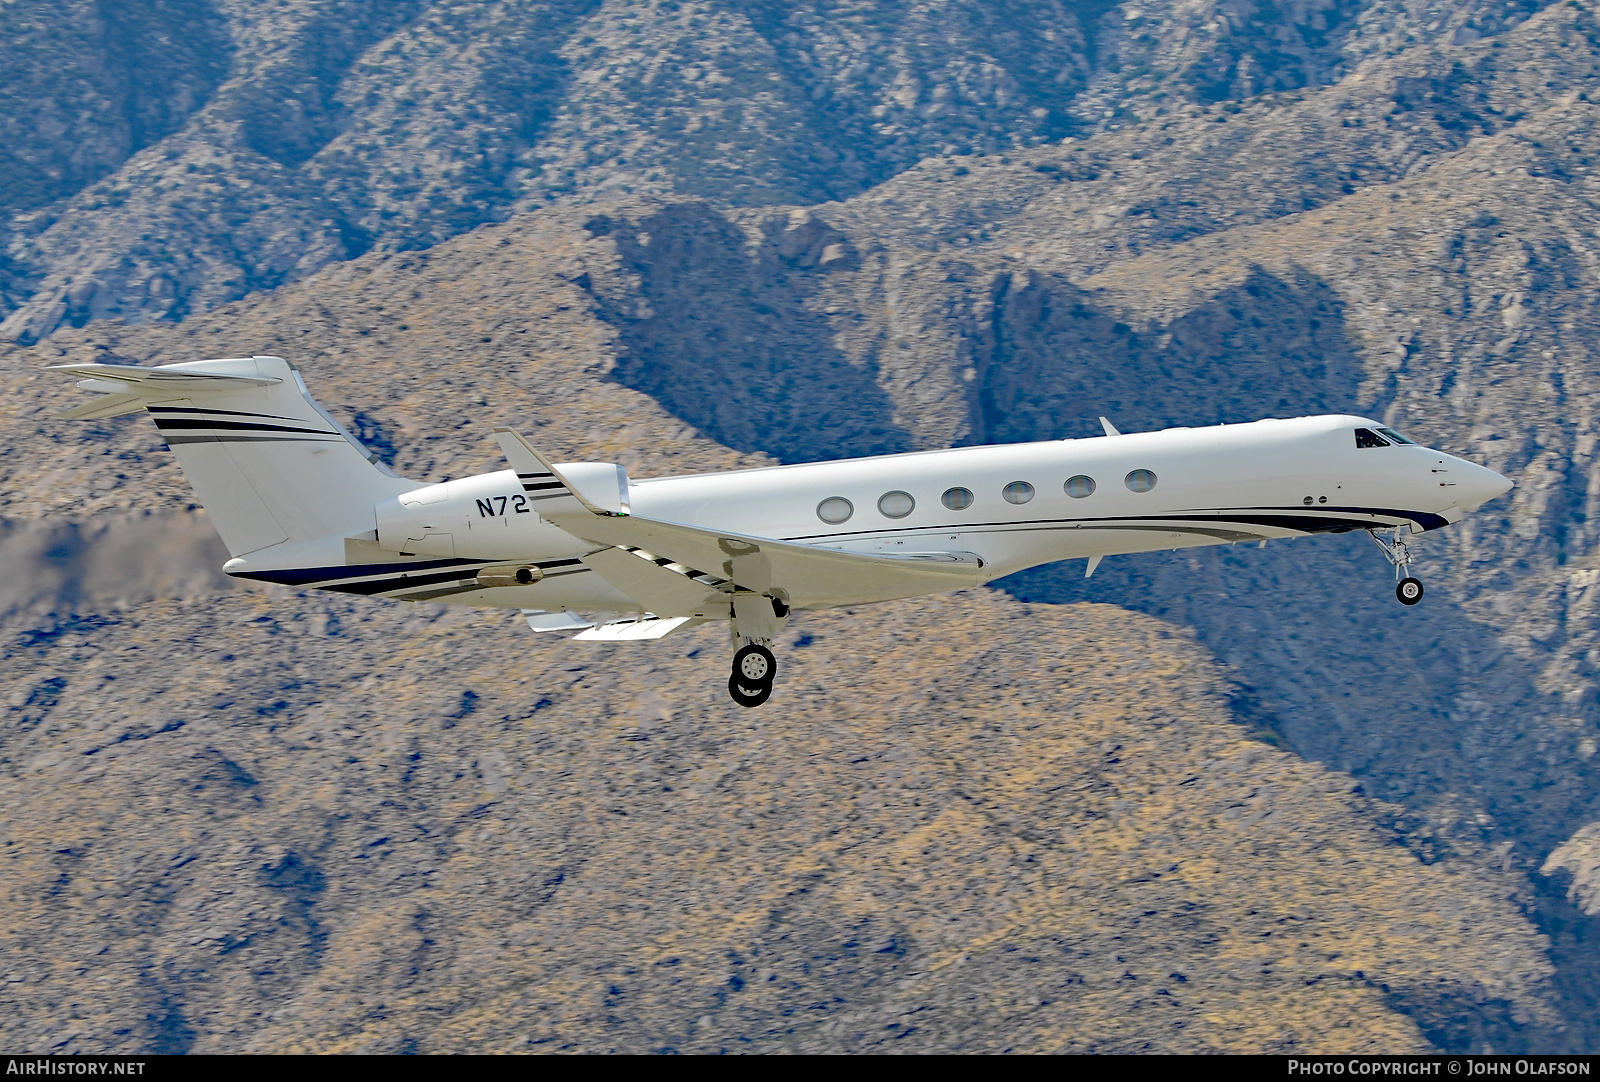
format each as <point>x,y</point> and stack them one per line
<point>1382,437</point>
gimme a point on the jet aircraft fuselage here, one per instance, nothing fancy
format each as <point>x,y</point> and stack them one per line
<point>581,546</point>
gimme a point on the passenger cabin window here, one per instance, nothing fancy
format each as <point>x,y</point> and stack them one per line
<point>1080,486</point>
<point>1018,492</point>
<point>896,504</point>
<point>1395,437</point>
<point>835,509</point>
<point>1140,481</point>
<point>1365,437</point>
<point>957,499</point>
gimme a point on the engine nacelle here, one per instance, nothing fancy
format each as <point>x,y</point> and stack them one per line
<point>510,575</point>
<point>490,517</point>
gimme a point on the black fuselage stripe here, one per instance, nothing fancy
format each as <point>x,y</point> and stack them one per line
<point>230,438</point>
<point>237,426</point>
<point>307,576</point>
<point>1251,516</point>
<point>349,579</point>
<point>328,578</point>
<point>378,586</point>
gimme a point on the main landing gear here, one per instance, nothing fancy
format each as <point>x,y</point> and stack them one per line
<point>753,670</point>
<point>757,620</point>
<point>1398,553</point>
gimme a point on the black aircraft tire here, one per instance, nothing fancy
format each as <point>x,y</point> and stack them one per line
<point>747,695</point>
<point>1409,591</point>
<point>755,665</point>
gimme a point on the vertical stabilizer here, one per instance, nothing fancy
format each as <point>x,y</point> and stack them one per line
<point>265,460</point>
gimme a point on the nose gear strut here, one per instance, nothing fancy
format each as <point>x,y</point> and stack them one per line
<point>1398,553</point>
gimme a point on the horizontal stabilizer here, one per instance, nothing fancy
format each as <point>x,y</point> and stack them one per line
<point>127,388</point>
<point>165,381</point>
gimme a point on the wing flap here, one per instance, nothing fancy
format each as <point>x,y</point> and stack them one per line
<point>544,620</point>
<point>651,627</point>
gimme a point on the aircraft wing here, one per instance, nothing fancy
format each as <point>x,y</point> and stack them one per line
<point>709,563</point>
<point>660,584</point>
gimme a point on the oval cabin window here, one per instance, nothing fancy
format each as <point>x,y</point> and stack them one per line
<point>896,504</point>
<point>957,499</point>
<point>835,509</point>
<point>1018,492</point>
<point>1141,481</point>
<point>1080,486</point>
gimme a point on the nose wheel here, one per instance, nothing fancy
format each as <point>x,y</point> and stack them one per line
<point>1398,553</point>
<point>753,670</point>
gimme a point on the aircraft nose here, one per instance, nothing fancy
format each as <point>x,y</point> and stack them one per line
<point>1479,485</point>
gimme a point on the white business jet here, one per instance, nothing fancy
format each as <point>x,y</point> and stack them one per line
<point>300,502</point>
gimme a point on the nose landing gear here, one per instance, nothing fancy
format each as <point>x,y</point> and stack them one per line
<point>1398,553</point>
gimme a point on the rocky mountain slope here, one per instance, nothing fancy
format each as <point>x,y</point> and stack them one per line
<point>164,157</point>
<point>736,233</point>
<point>366,827</point>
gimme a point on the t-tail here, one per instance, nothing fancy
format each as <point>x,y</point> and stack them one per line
<point>268,464</point>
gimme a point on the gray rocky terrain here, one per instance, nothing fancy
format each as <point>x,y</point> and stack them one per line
<point>699,235</point>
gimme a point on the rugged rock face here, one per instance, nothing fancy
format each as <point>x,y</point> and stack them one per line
<point>170,157</point>
<point>357,826</point>
<point>1385,208</point>
<point>1578,858</point>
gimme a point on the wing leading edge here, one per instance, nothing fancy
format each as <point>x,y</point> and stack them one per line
<point>687,570</point>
